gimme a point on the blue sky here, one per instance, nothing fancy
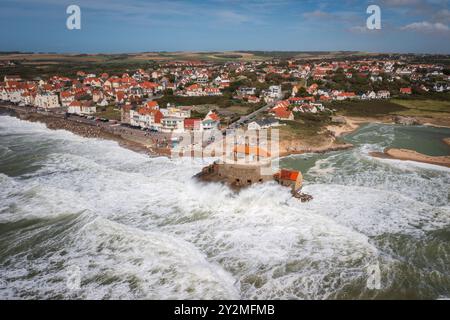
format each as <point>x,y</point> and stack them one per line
<point>208,25</point>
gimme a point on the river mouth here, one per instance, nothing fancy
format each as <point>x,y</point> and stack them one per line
<point>135,227</point>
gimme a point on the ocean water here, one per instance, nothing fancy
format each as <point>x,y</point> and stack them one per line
<point>133,227</point>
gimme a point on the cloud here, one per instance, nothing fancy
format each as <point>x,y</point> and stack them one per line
<point>442,16</point>
<point>401,3</point>
<point>427,27</point>
<point>337,16</point>
<point>229,16</point>
<point>359,29</point>
<point>318,14</point>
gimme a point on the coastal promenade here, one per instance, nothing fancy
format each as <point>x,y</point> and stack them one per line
<point>152,143</point>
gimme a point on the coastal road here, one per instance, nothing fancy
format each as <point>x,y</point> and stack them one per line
<point>251,116</point>
<point>117,128</point>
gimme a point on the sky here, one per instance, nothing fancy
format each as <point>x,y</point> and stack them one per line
<point>118,26</point>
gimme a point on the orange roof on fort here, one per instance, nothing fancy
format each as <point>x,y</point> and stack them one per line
<point>251,150</point>
<point>288,175</point>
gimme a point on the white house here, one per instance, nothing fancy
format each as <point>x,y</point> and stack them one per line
<point>81,108</point>
<point>211,121</point>
<point>212,91</point>
<point>369,95</point>
<point>183,112</point>
<point>145,117</point>
<point>246,91</point>
<point>27,99</point>
<point>440,87</point>
<point>275,92</point>
<point>102,103</point>
<point>66,98</point>
<point>46,101</point>
<point>383,94</point>
<point>15,95</point>
<point>172,124</point>
<point>263,124</point>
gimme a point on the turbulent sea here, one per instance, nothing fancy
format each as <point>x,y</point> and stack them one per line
<point>134,227</point>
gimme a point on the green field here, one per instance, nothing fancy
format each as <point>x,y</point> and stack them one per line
<point>373,108</point>
<point>109,113</point>
<point>309,128</point>
<point>44,65</point>
<point>423,107</point>
<point>220,101</point>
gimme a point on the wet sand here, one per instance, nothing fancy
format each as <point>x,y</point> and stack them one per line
<point>411,155</point>
<point>447,141</point>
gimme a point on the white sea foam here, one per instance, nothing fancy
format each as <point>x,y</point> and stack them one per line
<point>413,165</point>
<point>140,227</point>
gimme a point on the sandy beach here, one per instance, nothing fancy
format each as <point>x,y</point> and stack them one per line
<point>411,155</point>
<point>447,141</point>
<point>340,130</point>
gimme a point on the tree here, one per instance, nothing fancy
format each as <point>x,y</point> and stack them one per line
<point>168,92</point>
<point>301,92</point>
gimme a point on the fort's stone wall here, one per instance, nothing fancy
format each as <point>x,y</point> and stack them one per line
<point>237,174</point>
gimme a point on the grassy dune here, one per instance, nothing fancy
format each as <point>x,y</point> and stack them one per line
<point>425,107</point>
<point>373,108</point>
<point>434,109</point>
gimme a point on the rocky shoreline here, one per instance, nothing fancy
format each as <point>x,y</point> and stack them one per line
<point>92,130</point>
<point>56,122</point>
<point>323,149</point>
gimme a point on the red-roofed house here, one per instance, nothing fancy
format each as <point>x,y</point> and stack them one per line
<point>194,90</point>
<point>82,107</point>
<point>93,82</point>
<point>405,90</point>
<point>212,116</point>
<point>120,97</point>
<point>283,114</point>
<point>193,124</point>
<point>281,105</point>
<point>312,88</point>
<point>146,118</point>
<point>211,121</point>
<point>345,95</point>
<point>289,178</point>
<point>149,87</point>
<point>66,97</point>
<point>253,99</point>
<point>152,105</point>
<point>212,92</point>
